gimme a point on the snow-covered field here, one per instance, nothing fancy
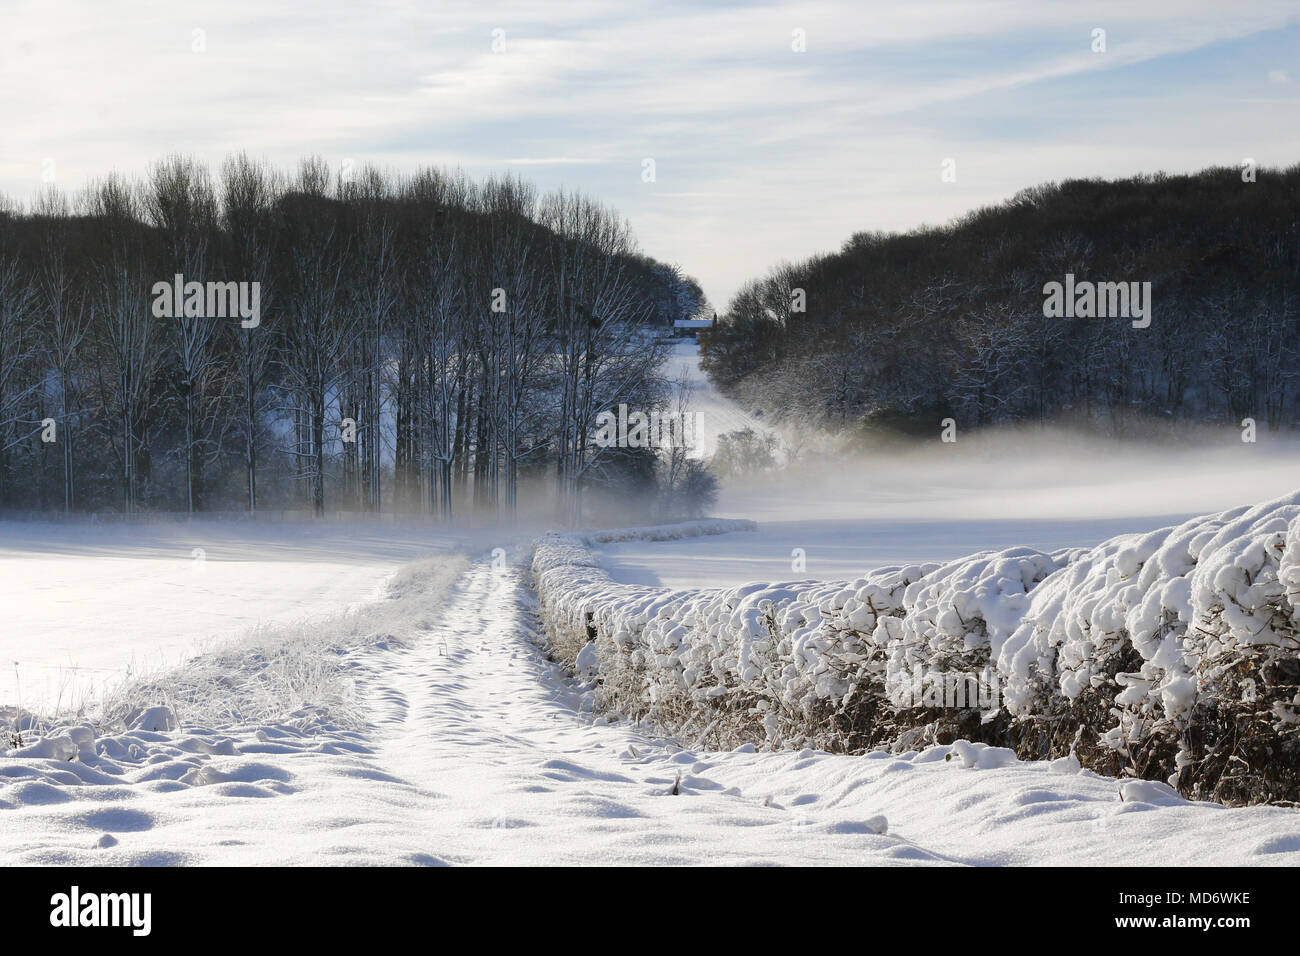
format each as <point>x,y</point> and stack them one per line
<point>461,743</point>
<point>1043,489</point>
<point>844,526</point>
<point>83,605</point>
<point>477,750</point>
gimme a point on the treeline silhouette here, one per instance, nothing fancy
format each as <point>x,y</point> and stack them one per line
<point>901,331</point>
<point>424,343</point>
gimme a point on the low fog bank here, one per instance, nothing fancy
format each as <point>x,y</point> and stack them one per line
<point>1026,472</point>
<point>360,537</point>
<point>828,517</point>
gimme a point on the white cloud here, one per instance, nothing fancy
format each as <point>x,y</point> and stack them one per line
<point>762,153</point>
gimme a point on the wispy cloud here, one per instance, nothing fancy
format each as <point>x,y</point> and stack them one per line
<point>551,161</point>
<point>777,129</point>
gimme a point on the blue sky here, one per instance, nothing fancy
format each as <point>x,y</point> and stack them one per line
<point>761,153</point>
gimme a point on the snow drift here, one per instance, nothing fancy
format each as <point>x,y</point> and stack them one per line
<point>1173,654</point>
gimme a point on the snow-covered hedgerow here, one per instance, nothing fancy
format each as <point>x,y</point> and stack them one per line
<point>1172,654</point>
<point>789,664</point>
<point>1177,651</point>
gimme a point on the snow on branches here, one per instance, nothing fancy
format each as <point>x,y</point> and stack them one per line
<point>1173,654</point>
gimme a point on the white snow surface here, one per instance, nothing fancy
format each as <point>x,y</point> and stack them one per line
<point>716,414</point>
<point>84,605</point>
<point>475,749</point>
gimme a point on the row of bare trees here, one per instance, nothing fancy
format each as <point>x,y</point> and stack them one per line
<point>421,342</point>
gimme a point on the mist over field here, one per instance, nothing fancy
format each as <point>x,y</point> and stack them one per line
<point>1028,472</point>
<point>923,499</point>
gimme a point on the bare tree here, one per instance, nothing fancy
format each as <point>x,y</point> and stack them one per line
<point>181,204</point>
<point>596,310</point>
<point>128,331</point>
<point>17,305</point>
<point>318,325</point>
<point>67,321</point>
<point>250,191</point>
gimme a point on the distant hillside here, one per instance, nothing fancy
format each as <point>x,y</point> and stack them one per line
<point>901,331</point>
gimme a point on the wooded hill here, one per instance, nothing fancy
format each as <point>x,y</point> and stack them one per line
<point>901,331</point>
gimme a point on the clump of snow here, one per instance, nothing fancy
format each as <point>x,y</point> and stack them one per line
<point>978,756</point>
<point>1143,648</point>
<point>154,718</point>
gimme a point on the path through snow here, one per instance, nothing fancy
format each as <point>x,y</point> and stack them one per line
<point>717,414</point>
<point>477,750</point>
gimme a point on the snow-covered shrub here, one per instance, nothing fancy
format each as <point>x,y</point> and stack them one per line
<point>687,488</point>
<point>956,613</point>
<point>1168,654</point>
<point>1235,692</point>
<point>799,664</point>
<point>1173,654</point>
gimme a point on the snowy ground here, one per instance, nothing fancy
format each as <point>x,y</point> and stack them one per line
<point>717,415</point>
<point>468,746</point>
<point>83,605</point>
<point>476,751</point>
